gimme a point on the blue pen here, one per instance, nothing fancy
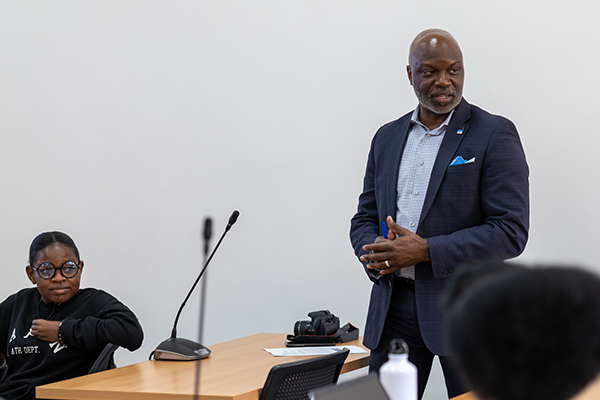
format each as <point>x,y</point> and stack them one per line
<point>385,231</point>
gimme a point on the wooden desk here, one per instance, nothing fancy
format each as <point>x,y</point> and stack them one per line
<point>466,396</point>
<point>235,370</point>
<point>591,392</point>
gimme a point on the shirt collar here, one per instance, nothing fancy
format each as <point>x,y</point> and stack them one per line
<point>440,129</point>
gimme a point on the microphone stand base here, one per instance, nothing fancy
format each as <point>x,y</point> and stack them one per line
<point>178,349</point>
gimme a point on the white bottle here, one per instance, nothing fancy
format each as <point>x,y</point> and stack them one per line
<point>398,376</point>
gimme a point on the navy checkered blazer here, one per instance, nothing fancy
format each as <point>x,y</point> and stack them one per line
<point>473,211</point>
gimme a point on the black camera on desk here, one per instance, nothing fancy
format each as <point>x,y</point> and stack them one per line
<point>321,323</point>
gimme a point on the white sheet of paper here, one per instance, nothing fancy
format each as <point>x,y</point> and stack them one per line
<point>313,351</point>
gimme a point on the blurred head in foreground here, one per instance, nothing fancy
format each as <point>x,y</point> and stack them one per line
<point>520,333</point>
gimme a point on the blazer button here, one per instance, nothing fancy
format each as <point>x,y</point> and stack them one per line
<point>445,274</point>
<point>389,283</point>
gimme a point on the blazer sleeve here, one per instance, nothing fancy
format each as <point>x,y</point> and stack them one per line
<point>503,202</point>
<point>364,226</point>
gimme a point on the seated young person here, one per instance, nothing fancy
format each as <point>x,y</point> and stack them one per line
<point>55,331</point>
<point>520,333</point>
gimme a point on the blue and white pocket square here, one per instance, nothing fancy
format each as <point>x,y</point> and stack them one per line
<point>459,161</point>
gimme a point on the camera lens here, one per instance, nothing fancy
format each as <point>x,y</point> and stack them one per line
<point>302,328</point>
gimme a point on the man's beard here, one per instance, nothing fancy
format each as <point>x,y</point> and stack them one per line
<point>427,101</point>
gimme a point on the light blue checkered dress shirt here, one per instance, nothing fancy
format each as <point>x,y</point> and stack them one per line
<point>419,155</point>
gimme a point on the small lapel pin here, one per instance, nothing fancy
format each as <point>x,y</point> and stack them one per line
<point>459,131</point>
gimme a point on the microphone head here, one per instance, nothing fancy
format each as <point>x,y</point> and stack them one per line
<point>233,218</point>
<point>207,228</point>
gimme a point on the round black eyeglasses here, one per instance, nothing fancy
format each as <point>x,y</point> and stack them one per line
<point>47,270</point>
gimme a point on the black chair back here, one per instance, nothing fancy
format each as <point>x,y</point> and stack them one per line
<point>293,381</point>
<point>3,368</point>
<point>105,360</point>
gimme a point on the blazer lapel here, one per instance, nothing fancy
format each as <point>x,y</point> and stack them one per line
<point>457,129</point>
<point>396,148</point>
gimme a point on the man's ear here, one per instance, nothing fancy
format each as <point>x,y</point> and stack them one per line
<point>409,72</point>
<point>80,266</point>
<point>30,274</point>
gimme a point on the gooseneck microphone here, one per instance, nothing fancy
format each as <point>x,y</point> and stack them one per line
<point>178,349</point>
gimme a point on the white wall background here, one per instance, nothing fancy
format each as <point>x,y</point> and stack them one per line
<point>125,123</point>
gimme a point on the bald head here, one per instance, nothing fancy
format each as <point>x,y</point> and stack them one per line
<point>435,70</point>
<point>431,40</point>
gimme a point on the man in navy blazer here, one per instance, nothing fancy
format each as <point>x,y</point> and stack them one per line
<point>450,181</point>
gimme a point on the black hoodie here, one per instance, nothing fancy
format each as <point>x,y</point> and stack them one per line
<point>90,319</point>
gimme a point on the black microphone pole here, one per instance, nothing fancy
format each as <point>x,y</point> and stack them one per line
<point>234,217</point>
<point>207,235</point>
<point>176,348</point>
